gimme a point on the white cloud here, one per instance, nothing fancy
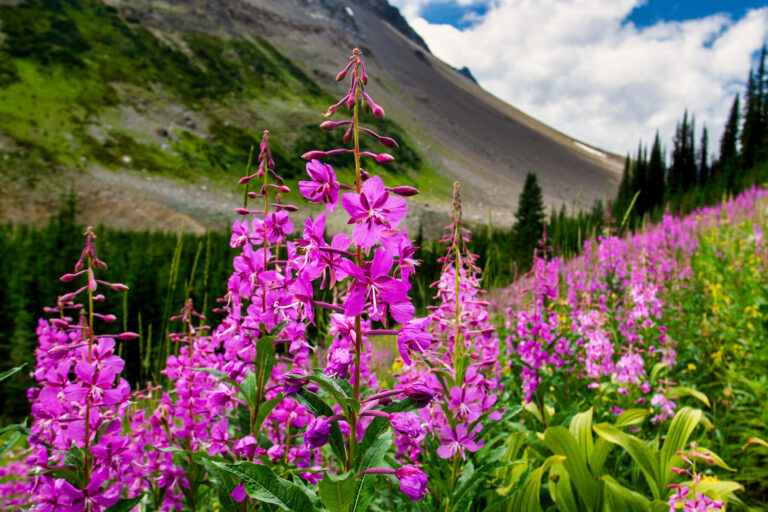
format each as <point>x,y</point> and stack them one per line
<point>578,66</point>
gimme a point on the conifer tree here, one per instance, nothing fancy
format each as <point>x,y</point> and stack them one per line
<point>704,157</point>
<point>729,153</point>
<point>529,219</point>
<point>639,181</point>
<point>751,131</point>
<point>656,169</point>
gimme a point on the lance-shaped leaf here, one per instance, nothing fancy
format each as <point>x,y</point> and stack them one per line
<point>261,484</point>
<point>560,489</point>
<point>225,483</point>
<point>679,391</point>
<point>125,504</point>
<point>528,498</point>
<point>10,372</point>
<point>373,458</point>
<point>337,492</point>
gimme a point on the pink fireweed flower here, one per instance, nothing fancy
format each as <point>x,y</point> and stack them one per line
<point>413,481</point>
<point>373,210</point>
<point>375,285</point>
<point>323,188</point>
<point>407,423</point>
<point>278,225</point>
<point>456,441</point>
<point>414,336</point>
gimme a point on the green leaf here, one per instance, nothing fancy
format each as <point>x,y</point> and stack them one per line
<point>679,432</point>
<point>125,504</point>
<point>717,460</point>
<point>379,425</point>
<point>319,408</point>
<point>337,492</point>
<point>265,409</point>
<point>10,372</point>
<point>277,329</point>
<point>599,455</point>
<point>679,391</point>
<point>263,485</point>
<point>265,359</point>
<point>16,427</point>
<point>657,368</point>
<point>640,452</point>
<point>373,458</point>
<point>631,417</point>
<point>720,490</point>
<point>560,489</point>
<point>333,388</point>
<point>528,499</point>
<point>581,430</point>
<point>620,499</point>
<point>560,441</point>
<point>225,484</point>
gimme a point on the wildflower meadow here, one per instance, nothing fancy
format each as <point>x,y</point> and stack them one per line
<point>630,377</point>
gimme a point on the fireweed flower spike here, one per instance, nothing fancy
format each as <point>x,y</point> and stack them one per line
<point>80,401</point>
<point>376,289</point>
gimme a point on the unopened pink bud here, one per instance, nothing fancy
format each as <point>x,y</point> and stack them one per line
<point>109,318</point>
<point>384,158</point>
<point>405,191</point>
<point>377,111</point>
<point>329,125</point>
<point>68,277</point>
<point>57,322</point>
<point>341,75</point>
<point>244,180</point>
<point>312,155</point>
<point>389,142</point>
<point>347,136</point>
<point>119,287</point>
<point>242,211</point>
<point>127,336</point>
<point>289,208</point>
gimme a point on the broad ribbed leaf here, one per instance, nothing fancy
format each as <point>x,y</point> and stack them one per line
<point>600,453</point>
<point>560,441</point>
<point>718,490</point>
<point>620,499</point>
<point>679,432</point>
<point>581,430</point>
<point>679,391</point>
<point>640,453</point>
<point>263,485</point>
<point>560,489</point>
<point>631,417</point>
<point>264,411</point>
<point>528,499</point>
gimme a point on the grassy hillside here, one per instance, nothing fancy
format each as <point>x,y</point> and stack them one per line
<point>82,85</point>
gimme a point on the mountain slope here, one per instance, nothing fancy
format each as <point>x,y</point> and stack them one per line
<point>171,94</point>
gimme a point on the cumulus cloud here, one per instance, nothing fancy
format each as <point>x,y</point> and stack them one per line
<point>581,67</point>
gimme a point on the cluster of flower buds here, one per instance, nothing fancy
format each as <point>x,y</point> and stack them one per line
<point>685,495</point>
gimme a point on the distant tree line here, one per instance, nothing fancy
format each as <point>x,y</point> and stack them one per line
<point>693,178</point>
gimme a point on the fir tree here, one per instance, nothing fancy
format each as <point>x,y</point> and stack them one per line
<point>704,157</point>
<point>751,131</point>
<point>729,153</point>
<point>529,219</point>
<point>656,169</point>
<point>639,181</point>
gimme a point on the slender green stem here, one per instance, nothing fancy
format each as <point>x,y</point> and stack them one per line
<point>358,330</point>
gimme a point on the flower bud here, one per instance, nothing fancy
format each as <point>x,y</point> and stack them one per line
<point>384,158</point>
<point>61,324</point>
<point>405,191</point>
<point>127,336</point>
<point>329,125</point>
<point>313,155</point>
<point>119,287</point>
<point>389,142</point>
<point>68,277</point>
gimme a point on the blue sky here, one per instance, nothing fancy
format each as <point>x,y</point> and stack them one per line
<point>607,72</point>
